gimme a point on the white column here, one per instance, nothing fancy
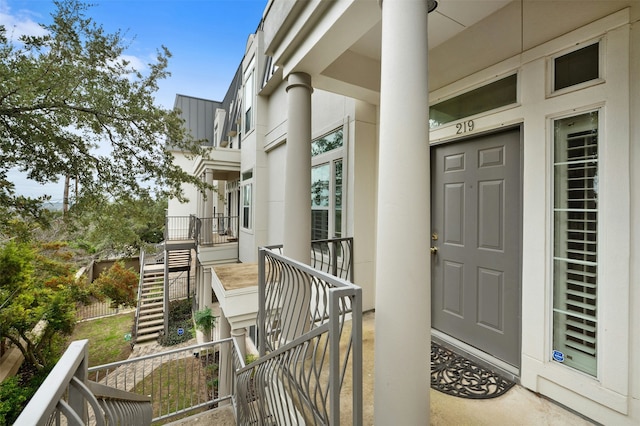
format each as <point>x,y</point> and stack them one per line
<point>199,289</point>
<point>225,369</point>
<point>207,221</point>
<point>402,336</point>
<point>240,336</point>
<point>297,194</point>
<point>206,289</point>
<point>208,205</point>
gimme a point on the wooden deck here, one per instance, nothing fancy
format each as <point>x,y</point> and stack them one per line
<point>235,276</point>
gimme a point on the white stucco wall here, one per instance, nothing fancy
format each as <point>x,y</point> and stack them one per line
<point>176,208</point>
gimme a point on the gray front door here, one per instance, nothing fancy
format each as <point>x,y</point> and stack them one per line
<point>476,242</point>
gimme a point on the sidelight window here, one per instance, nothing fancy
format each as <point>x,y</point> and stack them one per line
<point>247,198</point>
<point>575,237</point>
<point>326,186</point>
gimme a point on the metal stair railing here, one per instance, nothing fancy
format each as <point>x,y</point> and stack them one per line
<point>141,281</point>
<point>180,380</point>
<point>67,393</point>
<point>310,331</point>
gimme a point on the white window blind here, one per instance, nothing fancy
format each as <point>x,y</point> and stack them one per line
<point>575,254</point>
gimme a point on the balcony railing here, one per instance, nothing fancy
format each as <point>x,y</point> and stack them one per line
<point>218,230</point>
<point>205,231</point>
<point>179,228</point>
<point>67,393</point>
<point>310,331</point>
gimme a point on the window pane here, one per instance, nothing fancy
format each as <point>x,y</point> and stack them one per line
<point>576,67</point>
<point>575,263</point>
<point>248,103</point>
<point>327,143</point>
<point>337,219</point>
<point>320,185</point>
<point>246,206</point>
<point>319,224</point>
<point>491,96</point>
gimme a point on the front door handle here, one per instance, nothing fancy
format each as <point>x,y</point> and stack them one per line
<point>434,250</point>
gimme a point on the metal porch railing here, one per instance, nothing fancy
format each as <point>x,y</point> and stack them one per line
<point>310,342</point>
<point>180,381</point>
<point>333,256</point>
<point>66,395</point>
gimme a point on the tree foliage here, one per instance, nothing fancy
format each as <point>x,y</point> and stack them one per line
<point>117,228</point>
<point>36,300</point>
<point>118,284</point>
<point>71,105</point>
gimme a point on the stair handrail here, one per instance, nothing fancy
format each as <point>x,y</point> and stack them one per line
<point>134,332</point>
<point>67,391</point>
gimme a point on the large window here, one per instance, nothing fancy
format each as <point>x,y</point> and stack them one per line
<point>575,237</point>
<point>326,186</point>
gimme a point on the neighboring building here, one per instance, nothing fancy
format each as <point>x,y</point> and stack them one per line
<point>511,238</point>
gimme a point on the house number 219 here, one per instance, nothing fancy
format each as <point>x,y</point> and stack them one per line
<point>464,127</point>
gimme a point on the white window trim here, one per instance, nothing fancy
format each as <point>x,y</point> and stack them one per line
<point>601,41</point>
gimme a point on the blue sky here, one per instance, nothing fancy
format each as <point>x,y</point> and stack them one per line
<point>207,39</point>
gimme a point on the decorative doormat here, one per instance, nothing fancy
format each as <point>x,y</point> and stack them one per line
<point>455,375</point>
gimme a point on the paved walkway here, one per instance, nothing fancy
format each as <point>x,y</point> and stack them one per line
<point>518,406</point>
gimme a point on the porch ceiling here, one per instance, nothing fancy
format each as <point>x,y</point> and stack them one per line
<point>224,162</point>
<point>339,45</point>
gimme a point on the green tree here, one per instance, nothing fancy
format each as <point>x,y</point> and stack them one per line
<point>116,228</point>
<point>69,92</point>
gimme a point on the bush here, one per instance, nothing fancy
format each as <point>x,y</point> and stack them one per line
<point>16,391</point>
<point>179,317</point>
<point>118,284</point>
<point>12,398</point>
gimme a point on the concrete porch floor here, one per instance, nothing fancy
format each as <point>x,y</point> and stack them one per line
<point>517,407</point>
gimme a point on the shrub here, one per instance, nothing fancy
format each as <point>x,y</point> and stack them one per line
<point>179,317</point>
<point>205,321</point>
<point>118,284</point>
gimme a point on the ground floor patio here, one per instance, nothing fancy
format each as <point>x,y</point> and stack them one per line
<point>518,406</point>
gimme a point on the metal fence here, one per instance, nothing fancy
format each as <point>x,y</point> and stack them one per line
<point>181,286</point>
<point>68,397</point>
<point>310,342</point>
<point>99,309</point>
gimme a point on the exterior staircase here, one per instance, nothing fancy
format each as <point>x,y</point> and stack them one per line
<point>151,310</point>
<point>150,319</point>
<point>179,260</point>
